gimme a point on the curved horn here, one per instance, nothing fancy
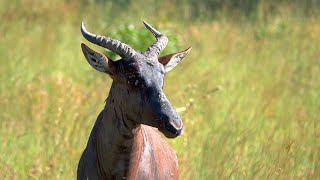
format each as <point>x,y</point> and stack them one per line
<point>161,42</point>
<point>122,49</point>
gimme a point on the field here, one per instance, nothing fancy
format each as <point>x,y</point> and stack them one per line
<point>248,93</point>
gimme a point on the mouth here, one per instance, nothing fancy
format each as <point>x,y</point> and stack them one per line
<point>169,130</point>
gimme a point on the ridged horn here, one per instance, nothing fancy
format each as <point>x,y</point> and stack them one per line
<point>122,49</point>
<point>160,43</point>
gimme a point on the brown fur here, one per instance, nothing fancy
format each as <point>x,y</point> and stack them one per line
<point>124,143</point>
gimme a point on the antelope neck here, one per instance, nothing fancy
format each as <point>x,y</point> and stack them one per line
<point>114,139</point>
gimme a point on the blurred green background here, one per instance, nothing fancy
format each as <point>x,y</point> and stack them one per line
<point>248,93</point>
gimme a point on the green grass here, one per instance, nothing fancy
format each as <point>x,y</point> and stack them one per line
<point>248,92</point>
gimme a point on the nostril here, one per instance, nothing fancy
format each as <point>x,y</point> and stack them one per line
<point>169,127</point>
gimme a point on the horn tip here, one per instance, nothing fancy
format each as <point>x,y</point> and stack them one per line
<point>82,26</point>
<point>86,34</point>
<point>155,32</point>
<point>146,24</point>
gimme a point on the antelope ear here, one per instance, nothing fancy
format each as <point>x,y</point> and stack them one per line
<point>170,61</point>
<point>97,60</point>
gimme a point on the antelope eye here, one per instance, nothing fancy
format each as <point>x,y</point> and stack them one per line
<point>133,79</point>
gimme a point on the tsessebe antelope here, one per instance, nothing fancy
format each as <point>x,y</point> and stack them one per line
<point>123,143</point>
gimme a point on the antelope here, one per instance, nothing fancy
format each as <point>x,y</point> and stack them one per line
<point>124,142</point>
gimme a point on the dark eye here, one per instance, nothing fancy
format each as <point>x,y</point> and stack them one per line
<point>135,80</point>
<point>130,79</point>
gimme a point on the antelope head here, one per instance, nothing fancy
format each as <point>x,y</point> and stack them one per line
<point>138,79</point>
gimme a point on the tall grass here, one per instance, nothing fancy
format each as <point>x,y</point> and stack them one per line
<point>248,92</point>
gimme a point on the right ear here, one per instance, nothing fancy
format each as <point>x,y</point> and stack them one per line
<point>97,60</point>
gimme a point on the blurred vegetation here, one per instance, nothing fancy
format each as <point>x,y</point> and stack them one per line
<point>139,39</point>
<point>248,93</point>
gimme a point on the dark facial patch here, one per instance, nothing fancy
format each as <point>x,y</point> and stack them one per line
<point>142,73</point>
<point>142,98</point>
<point>132,67</point>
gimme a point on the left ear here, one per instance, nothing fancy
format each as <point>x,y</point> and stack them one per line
<point>170,61</point>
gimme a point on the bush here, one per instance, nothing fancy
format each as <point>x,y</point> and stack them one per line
<point>140,39</point>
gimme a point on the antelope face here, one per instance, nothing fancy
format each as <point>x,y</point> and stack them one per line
<point>138,80</point>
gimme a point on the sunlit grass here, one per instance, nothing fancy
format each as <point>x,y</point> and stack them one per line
<point>248,94</point>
